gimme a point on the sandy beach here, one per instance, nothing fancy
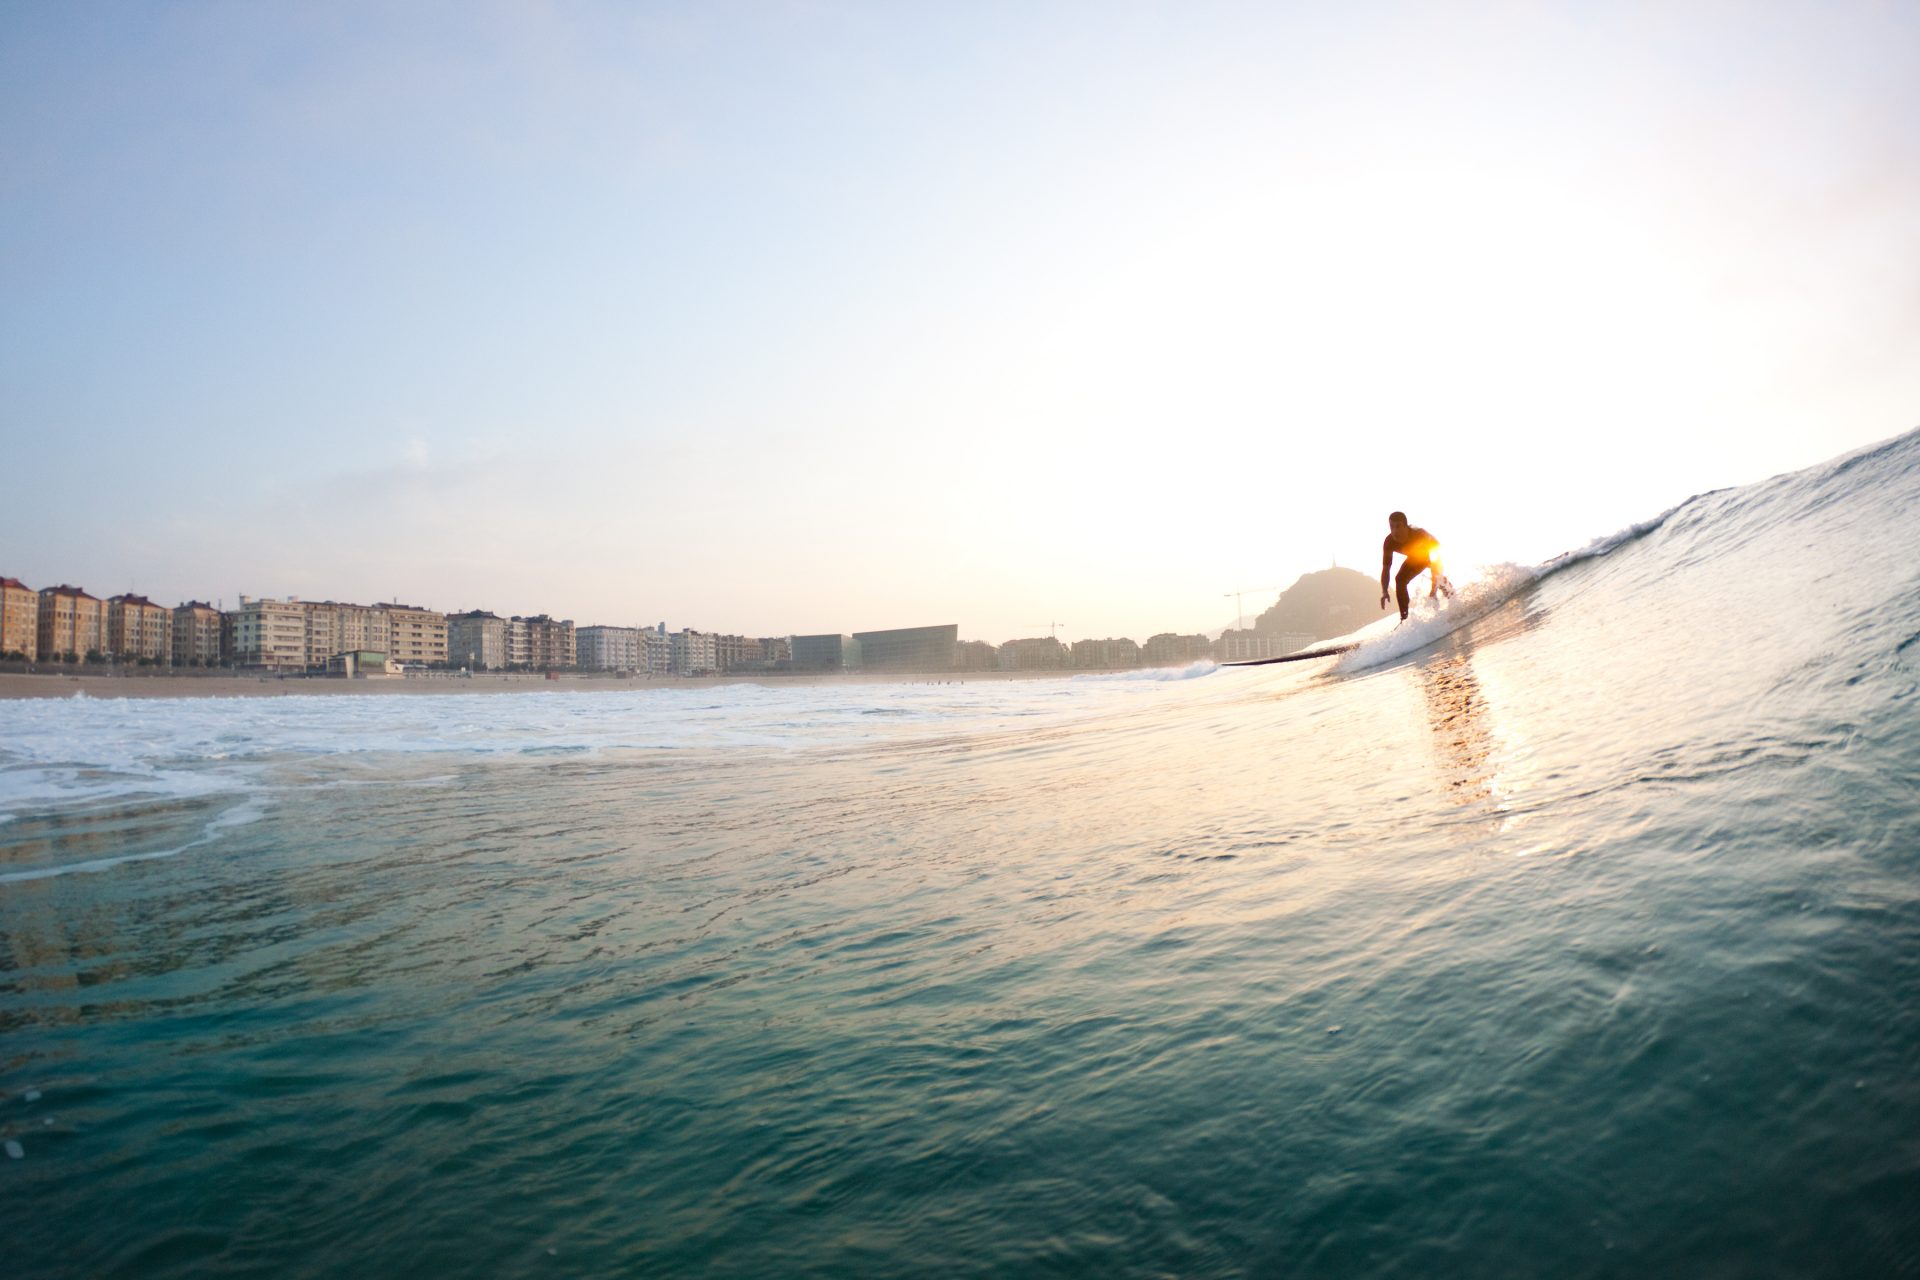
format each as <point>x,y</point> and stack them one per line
<point>55,685</point>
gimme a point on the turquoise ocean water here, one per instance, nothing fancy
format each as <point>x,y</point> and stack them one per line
<point>1573,931</point>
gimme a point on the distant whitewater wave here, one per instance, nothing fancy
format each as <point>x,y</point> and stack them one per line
<point>64,755</point>
<point>1192,671</point>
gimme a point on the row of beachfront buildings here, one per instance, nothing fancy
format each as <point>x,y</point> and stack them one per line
<point>1168,649</point>
<point>68,624</point>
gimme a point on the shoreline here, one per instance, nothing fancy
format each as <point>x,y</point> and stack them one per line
<point>62,685</point>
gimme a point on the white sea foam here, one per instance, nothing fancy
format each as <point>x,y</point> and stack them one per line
<point>1432,618</point>
<point>41,787</point>
<point>62,754</point>
<point>1192,671</point>
<point>239,815</point>
<point>1479,592</point>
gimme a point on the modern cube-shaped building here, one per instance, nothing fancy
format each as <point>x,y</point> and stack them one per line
<point>826,653</point>
<point>909,648</point>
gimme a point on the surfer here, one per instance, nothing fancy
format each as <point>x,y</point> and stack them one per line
<point>1422,552</point>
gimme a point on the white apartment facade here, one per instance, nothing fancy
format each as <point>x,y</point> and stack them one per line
<point>695,653</point>
<point>519,643</point>
<point>270,634</point>
<point>657,651</point>
<point>335,628</point>
<point>610,648</point>
<point>1249,646</point>
<point>293,635</point>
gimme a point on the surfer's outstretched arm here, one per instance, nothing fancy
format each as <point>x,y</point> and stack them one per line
<point>1386,573</point>
<point>1435,574</point>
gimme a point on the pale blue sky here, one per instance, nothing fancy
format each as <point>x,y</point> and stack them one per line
<point>802,317</point>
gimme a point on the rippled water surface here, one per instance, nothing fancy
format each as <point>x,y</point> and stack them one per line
<point>1581,940</point>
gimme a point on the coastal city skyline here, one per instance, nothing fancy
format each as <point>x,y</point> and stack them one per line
<point>64,624</point>
<point>800,314</point>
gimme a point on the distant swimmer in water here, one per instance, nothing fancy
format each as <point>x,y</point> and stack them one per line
<point>1422,552</point>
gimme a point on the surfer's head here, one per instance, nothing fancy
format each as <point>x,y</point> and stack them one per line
<point>1397,520</point>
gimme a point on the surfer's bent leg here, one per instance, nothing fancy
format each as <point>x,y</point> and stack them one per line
<point>1409,570</point>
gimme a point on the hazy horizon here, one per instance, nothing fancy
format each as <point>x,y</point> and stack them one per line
<point>815,318</point>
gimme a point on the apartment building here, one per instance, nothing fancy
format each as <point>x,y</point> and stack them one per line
<point>138,628</point>
<point>19,619</point>
<point>335,628</point>
<point>1034,653</point>
<point>71,622</point>
<point>657,651</point>
<point>417,637</point>
<point>1250,645</point>
<point>269,634</point>
<point>1169,649</point>
<point>735,653</point>
<point>975,655</point>
<point>751,653</point>
<point>695,653</point>
<point>609,648</point>
<point>1291,641</point>
<point>477,639</point>
<point>518,638</point>
<point>1105,655</point>
<point>196,635</point>
<point>549,642</point>
<point>552,642</point>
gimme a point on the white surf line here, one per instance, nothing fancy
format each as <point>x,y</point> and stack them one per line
<point>238,816</point>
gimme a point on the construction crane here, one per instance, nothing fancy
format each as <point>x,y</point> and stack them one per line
<point>1051,627</point>
<point>1239,614</point>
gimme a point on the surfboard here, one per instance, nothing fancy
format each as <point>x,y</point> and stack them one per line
<point>1302,656</point>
